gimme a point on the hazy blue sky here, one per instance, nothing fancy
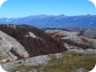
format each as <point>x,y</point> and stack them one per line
<point>22,8</point>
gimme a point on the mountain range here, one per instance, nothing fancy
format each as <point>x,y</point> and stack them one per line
<point>60,21</point>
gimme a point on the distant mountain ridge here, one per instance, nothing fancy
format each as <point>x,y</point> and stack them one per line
<point>60,21</point>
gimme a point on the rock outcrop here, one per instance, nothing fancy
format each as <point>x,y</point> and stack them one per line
<point>31,48</point>
<point>27,41</point>
<point>73,42</point>
<point>9,44</point>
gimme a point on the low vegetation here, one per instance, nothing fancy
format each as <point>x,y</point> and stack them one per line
<point>68,63</point>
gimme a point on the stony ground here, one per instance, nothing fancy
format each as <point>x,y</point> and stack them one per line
<point>62,62</point>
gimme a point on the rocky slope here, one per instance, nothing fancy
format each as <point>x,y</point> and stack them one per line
<point>9,44</point>
<point>75,42</point>
<point>59,62</point>
<point>28,49</point>
<point>90,33</point>
<point>25,41</point>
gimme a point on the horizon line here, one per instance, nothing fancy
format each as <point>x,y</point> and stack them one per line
<point>49,15</point>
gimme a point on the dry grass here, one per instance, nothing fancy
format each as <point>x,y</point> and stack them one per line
<point>70,62</point>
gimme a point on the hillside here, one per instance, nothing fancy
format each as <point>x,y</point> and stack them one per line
<point>34,41</point>
<point>26,48</point>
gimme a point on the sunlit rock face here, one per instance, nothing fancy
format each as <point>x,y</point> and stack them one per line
<point>17,42</point>
<point>9,44</point>
<point>26,48</point>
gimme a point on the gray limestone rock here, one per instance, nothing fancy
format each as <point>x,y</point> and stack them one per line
<point>8,43</point>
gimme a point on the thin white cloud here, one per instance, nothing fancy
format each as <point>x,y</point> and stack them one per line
<point>1,2</point>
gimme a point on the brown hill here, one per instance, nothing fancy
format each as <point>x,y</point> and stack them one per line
<point>35,41</point>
